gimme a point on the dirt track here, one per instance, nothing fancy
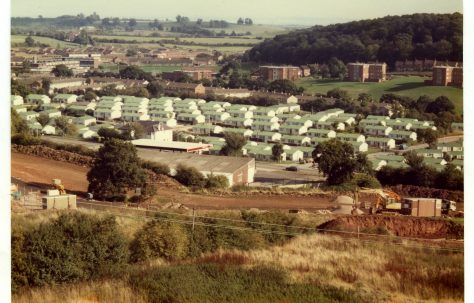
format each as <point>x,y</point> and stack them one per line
<point>41,170</point>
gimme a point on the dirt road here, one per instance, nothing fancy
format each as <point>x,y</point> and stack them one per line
<point>41,170</point>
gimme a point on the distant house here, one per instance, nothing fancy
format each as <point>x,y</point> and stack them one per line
<point>302,121</point>
<point>321,133</point>
<point>293,129</point>
<point>430,153</point>
<point>398,124</point>
<point>377,164</point>
<point>238,122</point>
<point>133,117</point>
<point>450,146</point>
<point>213,116</point>
<point>266,136</point>
<point>52,113</point>
<point>264,111</point>
<point>237,113</point>
<point>457,127</point>
<point>207,129</point>
<point>191,118</point>
<point>265,126</point>
<point>29,115</point>
<point>264,153</point>
<point>377,130</point>
<point>266,119</point>
<point>351,137</point>
<point>65,98</point>
<point>189,88</point>
<point>241,131</point>
<point>372,122</point>
<point>161,114</point>
<point>379,142</point>
<point>169,122</point>
<point>295,140</point>
<point>107,114</point>
<point>294,154</point>
<point>85,120</point>
<point>403,135</point>
<point>360,147</point>
<point>156,131</point>
<point>37,99</point>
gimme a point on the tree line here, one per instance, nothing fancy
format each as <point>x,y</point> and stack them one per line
<point>387,39</point>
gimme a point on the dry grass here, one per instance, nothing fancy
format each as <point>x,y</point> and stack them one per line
<point>396,273</point>
<point>90,292</point>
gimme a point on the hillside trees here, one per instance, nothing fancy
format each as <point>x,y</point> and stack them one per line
<point>62,70</point>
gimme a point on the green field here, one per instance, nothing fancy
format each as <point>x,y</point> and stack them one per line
<point>410,86</point>
<point>207,40</point>
<point>50,41</point>
<point>152,68</point>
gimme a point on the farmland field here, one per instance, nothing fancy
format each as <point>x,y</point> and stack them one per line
<point>52,42</point>
<point>410,86</point>
<point>153,68</point>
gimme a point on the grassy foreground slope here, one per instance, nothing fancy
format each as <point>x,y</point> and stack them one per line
<point>308,268</point>
<point>410,86</point>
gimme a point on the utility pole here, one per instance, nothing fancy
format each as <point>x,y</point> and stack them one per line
<point>193,220</point>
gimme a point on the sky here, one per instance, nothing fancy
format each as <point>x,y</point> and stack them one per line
<point>297,12</point>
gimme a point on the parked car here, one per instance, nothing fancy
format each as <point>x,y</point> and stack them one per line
<point>291,168</point>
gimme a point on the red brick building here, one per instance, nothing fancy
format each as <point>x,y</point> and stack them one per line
<point>447,75</point>
<point>362,72</point>
<point>272,73</point>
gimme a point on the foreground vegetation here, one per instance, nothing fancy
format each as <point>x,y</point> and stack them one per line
<point>238,267</point>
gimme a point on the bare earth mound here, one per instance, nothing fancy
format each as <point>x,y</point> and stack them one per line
<point>399,226</point>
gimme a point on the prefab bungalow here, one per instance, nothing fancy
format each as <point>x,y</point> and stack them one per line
<point>84,120</point>
<point>237,107</point>
<point>133,117</point>
<point>459,164</point>
<point>317,117</point>
<point>403,135</point>
<point>375,117</point>
<point>52,113</point>
<point>450,146</point>
<point>307,151</point>
<point>266,119</point>
<point>212,140</point>
<point>351,137</point>
<point>391,158</point>
<point>286,116</point>
<point>265,126</point>
<point>293,129</point>
<point>213,116</point>
<point>165,101</point>
<point>238,122</point>
<point>169,122</point>
<point>434,161</point>
<point>241,131</point>
<point>178,107</point>
<point>330,125</point>
<point>16,100</point>
<point>294,154</point>
<point>264,111</point>
<point>65,98</point>
<point>377,130</point>
<point>418,126</point>
<point>359,147</point>
<point>302,121</point>
<point>161,107</point>
<point>295,140</point>
<point>206,129</point>
<point>49,129</point>
<point>206,107</point>
<point>430,153</point>
<point>191,118</point>
<point>87,134</point>
<point>113,99</point>
<point>346,120</point>
<point>315,141</point>
<point>37,99</point>
<point>263,153</point>
<point>294,107</point>
<point>266,136</point>
<point>398,124</point>
<point>456,155</point>
<point>397,164</point>
<point>50,106</point>
<point>372,122</point>
<point>279,109</point>
<point>117,106</point>
<point>321,133</point>
<point>222,104</point>
<point>240,113</point>
<point>161,114</point>
<point>377,164</point>
<point>333,112</point>
<point>379,142</point>
<point>107,114</point>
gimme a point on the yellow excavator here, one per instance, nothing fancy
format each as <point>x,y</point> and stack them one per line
<point>385,200</point>
<point>59,186</point>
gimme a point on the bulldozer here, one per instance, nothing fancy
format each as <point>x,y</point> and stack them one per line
<point>385,201</point>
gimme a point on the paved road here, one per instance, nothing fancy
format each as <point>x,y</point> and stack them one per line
<point>268,173</point>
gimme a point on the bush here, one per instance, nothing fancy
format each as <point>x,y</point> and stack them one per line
<point>217,182</point>
<point>25,139</point>
<point>190,176</point>
<point>157,168</point>
<point>364,180</point>
<point>159,239</point>
<point>70,248</point>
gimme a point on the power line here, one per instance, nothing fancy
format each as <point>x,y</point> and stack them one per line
<point>264,231</point>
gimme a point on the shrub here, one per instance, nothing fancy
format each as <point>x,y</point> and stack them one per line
<point>73,247</point>
<point>217,182</point>
<point>157,168</point>
<point>159,239</point>
<point>364,180</point>
<point>24,139</point>
<point>190,176</point>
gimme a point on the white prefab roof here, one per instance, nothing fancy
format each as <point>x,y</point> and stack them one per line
<point>171,145</point>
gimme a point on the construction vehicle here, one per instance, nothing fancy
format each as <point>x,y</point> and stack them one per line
<point>385,200</point>
<point>58,186</point>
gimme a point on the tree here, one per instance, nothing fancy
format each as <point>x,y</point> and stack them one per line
<point>233,144</point>
<point>65,127</point>
<point>46,85</point>
<point>131,52</point>
<point>441,104</point>
<point>338,94</point>
<point>277,151</point>
<point>364,97</point>
<point>335,160</point>
<point>18,125</point>
<point>116,171</point>
<point>240,21</point>
<point>450,178</point>
<point>109,133</point>
<point>62,70</point>
<point>363,164</point>
<point>428,136</point>
<point>285,86</point>
<point>337,68</point>
<point>132,22</point>
<point>190,176</point>
<point>90,96</point>
<point>159,240</point>
<point>154,89</point>
<point>30,42</point>
<point>43,119</point>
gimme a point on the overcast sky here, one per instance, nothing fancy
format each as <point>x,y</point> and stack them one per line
<point>305,12</point>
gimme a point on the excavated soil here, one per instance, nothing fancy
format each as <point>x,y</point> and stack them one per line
<point>403,226</point>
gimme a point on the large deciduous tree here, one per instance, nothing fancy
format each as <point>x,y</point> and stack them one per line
<point>233,144</point>
<point>116,171</point>
<point>335,160</point>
